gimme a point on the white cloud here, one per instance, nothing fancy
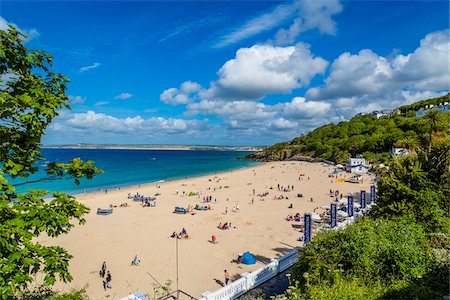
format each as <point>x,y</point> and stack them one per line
<point>306,15</point>
<point>123,96</point>
<point>97,124</point>
<point>311,14</point>
<point>428,66</point>
<point>87,68</point>
<point>367,73</point>
<point>101,103</point>
<point>283,124</point>
<point>30,33</point>
<point>183,95</point>
<point>77,99</point>
<point>299,108</point>
<point>265,69</point>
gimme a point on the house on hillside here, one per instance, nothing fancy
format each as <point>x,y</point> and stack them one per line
<point>357,165</point>
<point>442,107</point>
<point>378,114</point>
<point>399,151</point>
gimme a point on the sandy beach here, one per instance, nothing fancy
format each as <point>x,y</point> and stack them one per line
<point>259,227</point>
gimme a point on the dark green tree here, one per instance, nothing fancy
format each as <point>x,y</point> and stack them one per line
<point>30,96</point>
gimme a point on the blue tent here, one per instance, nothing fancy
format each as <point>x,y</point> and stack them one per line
<point>248,259</point>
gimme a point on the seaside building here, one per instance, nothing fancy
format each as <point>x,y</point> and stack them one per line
<point>357,165</point>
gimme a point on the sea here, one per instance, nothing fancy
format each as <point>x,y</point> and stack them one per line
<point>129,167</point>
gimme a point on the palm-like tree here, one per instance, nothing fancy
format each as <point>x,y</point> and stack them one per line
<point>433,117</point>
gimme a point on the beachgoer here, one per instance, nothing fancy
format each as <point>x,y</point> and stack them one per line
<point>227,277</point>
<point>103,270</point>
<point>226,209</point>
<point>213,239</point>
<point>136,261</point>
<point>108,280</point>
<point>237,207</point>
<point>183,231</point>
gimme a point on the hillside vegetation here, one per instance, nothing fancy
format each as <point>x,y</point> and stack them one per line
<point>364,135</point>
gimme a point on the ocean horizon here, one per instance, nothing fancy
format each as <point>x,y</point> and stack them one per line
<point>129,167</point>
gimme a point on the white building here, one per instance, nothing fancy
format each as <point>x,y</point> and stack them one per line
<point>357,165</point>
<point>398,151</point>
<point>358,170</point>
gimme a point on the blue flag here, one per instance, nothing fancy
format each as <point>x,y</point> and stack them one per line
<point>307,229</point>
<point>333,215</point>
<point>350,206</point>
<point>362,199</point>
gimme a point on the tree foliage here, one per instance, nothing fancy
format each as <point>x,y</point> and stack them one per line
<point>31,95</point>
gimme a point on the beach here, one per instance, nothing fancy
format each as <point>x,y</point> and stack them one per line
<point>258,226</point>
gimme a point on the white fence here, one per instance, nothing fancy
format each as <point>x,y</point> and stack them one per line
<point>251,280</point>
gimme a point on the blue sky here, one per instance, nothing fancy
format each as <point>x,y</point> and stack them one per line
<point>235,72</point>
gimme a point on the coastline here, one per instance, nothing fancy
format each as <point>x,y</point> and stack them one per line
<point>156,147</point>
<point>146,184</point>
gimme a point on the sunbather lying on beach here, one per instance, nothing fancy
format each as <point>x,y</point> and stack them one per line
<point>224,226</point>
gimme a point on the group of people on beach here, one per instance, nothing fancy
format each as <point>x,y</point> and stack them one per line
<point>107,279</point>
<point>285,189</point>
<point>182,234</point>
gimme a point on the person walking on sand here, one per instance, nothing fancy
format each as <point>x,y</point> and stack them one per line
<point>108,280</point>
<point>226,209</point>
<point>227,277</point>
<point>103,269</point>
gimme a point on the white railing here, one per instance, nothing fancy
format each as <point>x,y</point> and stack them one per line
<point>287,260</point>
<point>251,280</point>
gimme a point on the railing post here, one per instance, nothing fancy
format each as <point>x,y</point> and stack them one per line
<point>206,295</point>
<point>245,275</point>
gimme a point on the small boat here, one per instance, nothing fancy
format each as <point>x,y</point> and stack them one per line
<point>104,211</point>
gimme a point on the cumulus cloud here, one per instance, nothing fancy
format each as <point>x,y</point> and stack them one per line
<point>94,123</point>
<point>182,95</point>
<point>367,73</point>
<point>123,96</point>
<point>299,108</point>
<point>29,33</point>
<point>265,69</point>
<point>88,68</point>
<point>305,15</point>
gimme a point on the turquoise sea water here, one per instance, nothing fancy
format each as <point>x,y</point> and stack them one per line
<point>132,167</point>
